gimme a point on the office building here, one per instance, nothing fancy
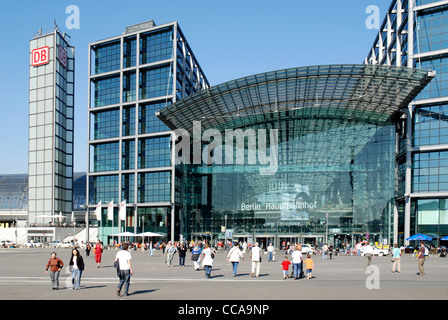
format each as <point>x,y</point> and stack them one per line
<point>132,76</point>
<point>415,34</point>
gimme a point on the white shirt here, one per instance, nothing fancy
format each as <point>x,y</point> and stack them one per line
<point>235,254</point>
<point>271,249</point>
<point>123,258</point>
<point>255,254</point>
<point>75,266</point>
<point>368,249</point>
<point>208,260</point>
<point>297,256</point>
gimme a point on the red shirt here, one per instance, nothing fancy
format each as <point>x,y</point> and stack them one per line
<point>286,264</point>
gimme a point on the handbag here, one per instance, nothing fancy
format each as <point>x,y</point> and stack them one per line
<point>117,266</point>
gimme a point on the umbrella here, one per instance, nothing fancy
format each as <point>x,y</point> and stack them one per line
<point>444,238</point>
<point>420,236</point>
<point>125,234</point>
<point>151,234</point>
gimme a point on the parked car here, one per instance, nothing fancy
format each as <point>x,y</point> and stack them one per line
<point>306,248</point>
<point>64,245</point>
<point>33,245</point>
<point>378,252</point>
<point>54,244</point>
<point>7,244</point>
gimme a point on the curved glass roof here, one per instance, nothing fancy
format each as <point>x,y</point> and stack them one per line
<point>372,93</point>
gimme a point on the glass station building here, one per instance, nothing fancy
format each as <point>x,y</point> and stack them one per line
<point>331,136</point>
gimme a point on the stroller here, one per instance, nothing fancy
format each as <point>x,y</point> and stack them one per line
<point>301,275</point>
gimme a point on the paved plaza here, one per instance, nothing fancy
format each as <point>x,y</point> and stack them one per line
<point>22,277</point>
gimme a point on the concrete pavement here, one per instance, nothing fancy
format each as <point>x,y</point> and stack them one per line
<point>22,277</point>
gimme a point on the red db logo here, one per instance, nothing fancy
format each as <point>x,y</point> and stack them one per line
<point>40,56</point>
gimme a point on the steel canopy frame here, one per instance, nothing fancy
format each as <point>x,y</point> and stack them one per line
<point>352,90</point>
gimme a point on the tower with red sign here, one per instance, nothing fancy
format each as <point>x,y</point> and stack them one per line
<point>51,125</point>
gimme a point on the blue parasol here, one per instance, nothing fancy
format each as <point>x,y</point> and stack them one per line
<point>419,236</point>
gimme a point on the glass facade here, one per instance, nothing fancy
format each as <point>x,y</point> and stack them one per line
<point>334,175</point>
<point>340,178</point>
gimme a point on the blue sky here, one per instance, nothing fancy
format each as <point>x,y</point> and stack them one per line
<point>231,39</point>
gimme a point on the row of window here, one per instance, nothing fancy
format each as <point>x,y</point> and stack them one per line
<point>152,153</point>
<point>106,124</point>
<point>153,187</point>
<point>154,46</point>
<point>154,82</point>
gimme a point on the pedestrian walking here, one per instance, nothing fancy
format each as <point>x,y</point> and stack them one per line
<point>196,256</point>
<point>368,253</point>
<point>55,265</point>
<point>125,272</point>
<point>98,253</point>
<point>234,256</point>
<point>271,252</point>
<point>169,253</point>
<point>421,257</point>
<point>182,249</point>
<point>255,256</point>
<point>324,251</point>
<point>285,267</point>
<point>396,258</point>
<point>151,249</point>
<point>207,262</point>
<point>77,266</point>
<point>297,261</point>
<point>330,251</point>
<point>88,248</point>
<point>309,265</point>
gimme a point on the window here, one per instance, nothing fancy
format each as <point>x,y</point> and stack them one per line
<point>106,91</point>
<point>107,57</point>
<point>154,152</point>
<point>148,122</point>
<point>156,82</point>
<point>156,46</point>
<point>154,187</point>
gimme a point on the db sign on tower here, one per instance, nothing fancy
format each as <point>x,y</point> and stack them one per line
<point>40,56</point>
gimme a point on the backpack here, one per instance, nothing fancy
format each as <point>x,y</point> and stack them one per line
<point>426,251</point>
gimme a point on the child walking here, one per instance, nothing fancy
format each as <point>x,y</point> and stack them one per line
<point>285,267</point>
<point>309,266</point>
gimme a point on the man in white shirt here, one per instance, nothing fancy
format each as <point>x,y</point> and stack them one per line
<point>270,253</point>
<point>124,259</point>
<point>255,256</point>
<point>324,251</point>
<point>368,253</point>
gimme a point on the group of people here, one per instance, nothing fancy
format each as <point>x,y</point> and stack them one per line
<point>123,264</point>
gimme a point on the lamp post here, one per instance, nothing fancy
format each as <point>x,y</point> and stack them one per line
<point>225,233</point>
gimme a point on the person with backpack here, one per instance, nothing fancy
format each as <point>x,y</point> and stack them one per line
<point>55,265</point>
<point>421,257</point>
